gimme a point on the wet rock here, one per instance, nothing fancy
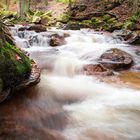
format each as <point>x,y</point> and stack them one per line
<point>36,28</point>
<point>132,37</point>
<point>33,39</point>
<point>4,94</point>
<point>23,28</point>
<point>127,34</point>
<point>116,59</point>
<point>34,78</point>
<point>72,26</point>
<point>137,52</point>
<point>135,40</point>
<point>97,69</point>
<point>56,40</point>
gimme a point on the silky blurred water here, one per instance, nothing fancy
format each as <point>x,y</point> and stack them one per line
<point>80,107</point>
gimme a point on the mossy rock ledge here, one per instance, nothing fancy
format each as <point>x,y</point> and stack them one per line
<point>17,71</point>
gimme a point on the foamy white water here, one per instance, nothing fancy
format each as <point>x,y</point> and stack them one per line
<point>97,111</point>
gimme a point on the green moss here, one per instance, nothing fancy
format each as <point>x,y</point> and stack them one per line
<point>132,19</point>
<point>6,14</point>
<point>112,21</point>
<point>130,22</point>
<point>106,27</point>
<point>15,65</point>
<point>23,64</point>
<point>87,22</point>
<point>64,18</point>
<point>128,25</point>
<point>106,18</point>
<point>95,20</point>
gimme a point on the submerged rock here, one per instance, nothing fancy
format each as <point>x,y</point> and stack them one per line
<point>97,69</point>
<point>131,79</point>
<point>116,59</point>
<point>57,40</point>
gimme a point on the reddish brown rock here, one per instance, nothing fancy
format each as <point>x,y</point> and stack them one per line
<point>56,40</point>
<point>97,69</point>
<point>116,59</point>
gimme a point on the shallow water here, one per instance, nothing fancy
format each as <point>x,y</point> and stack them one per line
<point>67,104</point>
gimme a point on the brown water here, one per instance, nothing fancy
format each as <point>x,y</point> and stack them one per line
<point>69,105</point>
<point>30,114</point>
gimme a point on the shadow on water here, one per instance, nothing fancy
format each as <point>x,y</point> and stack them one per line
<point>31,114</point>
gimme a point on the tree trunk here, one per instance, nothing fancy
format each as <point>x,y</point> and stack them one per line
<point>7,4</point>
<point>23,7</point>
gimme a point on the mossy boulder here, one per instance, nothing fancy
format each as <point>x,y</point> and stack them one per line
<point>15,66</point>
<point>41,17</point>
<point>64,18</point>
<point>7,14</point>
<point>8,17</point>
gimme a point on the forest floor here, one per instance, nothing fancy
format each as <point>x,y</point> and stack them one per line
<point>57,8</point>
<point>122,10</point>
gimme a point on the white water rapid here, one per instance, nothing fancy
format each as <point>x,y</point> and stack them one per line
<point>96,110</point>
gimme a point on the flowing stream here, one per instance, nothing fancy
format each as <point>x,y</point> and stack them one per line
<point>68,104</point>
